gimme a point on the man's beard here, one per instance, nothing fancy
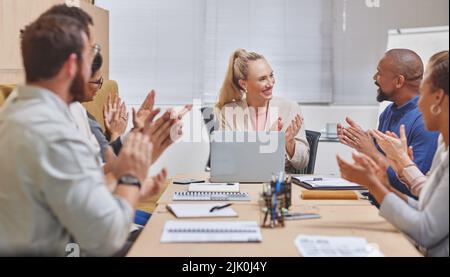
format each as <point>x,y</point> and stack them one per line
<point>382,96</point>
<point>78,88</point>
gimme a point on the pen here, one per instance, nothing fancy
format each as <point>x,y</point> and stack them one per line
<point>275,200</point>
<point>313,180</point>
<point>219,207</point>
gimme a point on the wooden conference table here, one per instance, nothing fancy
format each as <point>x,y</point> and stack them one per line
<point>338,218</point>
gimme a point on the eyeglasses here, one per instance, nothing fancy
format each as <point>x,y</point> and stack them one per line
<point>99,82</point>
<point>415,78</point>
<point>95,49</point>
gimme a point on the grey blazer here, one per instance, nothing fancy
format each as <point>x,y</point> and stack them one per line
<point>426,221</point>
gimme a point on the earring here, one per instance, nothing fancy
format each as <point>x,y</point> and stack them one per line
<point>435,110</point>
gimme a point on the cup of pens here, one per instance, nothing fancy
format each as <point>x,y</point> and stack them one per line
<point>275,201</point>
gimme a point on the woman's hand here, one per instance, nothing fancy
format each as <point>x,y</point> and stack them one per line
<point>277,126</point>
<point>378,167</point>
<point>146,112</point>
<point>364,172</point>
<point>116,118</point>
<point>165,130</point>
<point>291,133</point>
<point>396,149</point>
<point>359,173</point>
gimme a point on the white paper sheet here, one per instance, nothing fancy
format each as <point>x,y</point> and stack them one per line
<point>321,246</point>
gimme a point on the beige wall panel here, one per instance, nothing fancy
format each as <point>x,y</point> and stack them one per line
<point>16,14</point>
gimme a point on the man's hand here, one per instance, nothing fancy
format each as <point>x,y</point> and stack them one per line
<point>356,138</point>
<point>135,157</point>
<point>152,185</point>
<point>341,132</point>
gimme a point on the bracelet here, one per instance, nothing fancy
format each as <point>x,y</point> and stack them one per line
<point>410,165</point>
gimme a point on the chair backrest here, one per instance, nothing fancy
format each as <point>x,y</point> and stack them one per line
<point>5,91</point>
<point>313,140</point>
<point>95,107</point>
<point>211,124</point>
<point>209,119</point>
<point>2,99</point>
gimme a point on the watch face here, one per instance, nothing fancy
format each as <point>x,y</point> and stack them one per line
<point>129,180</point>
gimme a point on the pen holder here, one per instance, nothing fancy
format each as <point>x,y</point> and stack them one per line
<point>285,189</point>
<point>274,205</point>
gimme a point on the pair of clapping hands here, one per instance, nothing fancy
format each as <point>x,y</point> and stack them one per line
<point>149,138</point>
<point>291,132</point>
<point>369,163</point>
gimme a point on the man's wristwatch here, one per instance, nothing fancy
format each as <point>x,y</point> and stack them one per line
<point>130,181</point>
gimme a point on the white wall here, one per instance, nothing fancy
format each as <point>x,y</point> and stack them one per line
<point>361,37</point>
<point>318,116</point>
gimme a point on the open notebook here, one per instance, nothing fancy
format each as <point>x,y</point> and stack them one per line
<point>200,210</point>
<point>325,183</point>
<point>211,231</point>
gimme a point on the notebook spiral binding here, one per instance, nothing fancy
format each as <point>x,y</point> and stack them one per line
<point>202,230</point>
<point>211,196</point>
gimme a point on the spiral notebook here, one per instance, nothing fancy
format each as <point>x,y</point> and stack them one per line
<point>211,231</point>
<point>211,196</point>
<point>214,187</point>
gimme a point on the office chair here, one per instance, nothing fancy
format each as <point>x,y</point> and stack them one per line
<point>211,125</point>
<point>313,140</point>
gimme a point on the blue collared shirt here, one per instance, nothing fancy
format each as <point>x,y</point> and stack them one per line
<point>424,143</point>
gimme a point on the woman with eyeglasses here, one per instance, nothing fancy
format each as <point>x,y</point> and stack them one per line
<point>115,126</point>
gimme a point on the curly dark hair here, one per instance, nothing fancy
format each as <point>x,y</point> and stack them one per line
<point>439,71</point>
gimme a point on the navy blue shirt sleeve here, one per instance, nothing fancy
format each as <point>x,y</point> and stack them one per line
<point>98,133</point>
<point>116,145</point>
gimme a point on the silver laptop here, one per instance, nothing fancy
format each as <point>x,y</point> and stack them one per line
<point>246,157</point>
